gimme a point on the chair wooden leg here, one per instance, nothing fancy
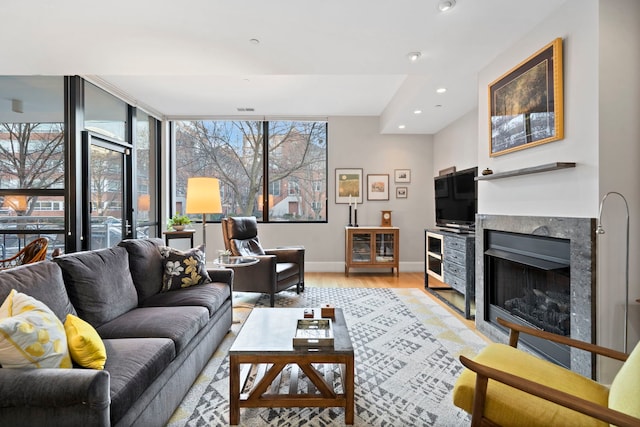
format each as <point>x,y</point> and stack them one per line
<point>478,400</point>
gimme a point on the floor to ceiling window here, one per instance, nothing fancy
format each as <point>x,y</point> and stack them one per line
<point>146,217</point>
<point>290,155</point>
<point>107,155</point>
<point>104,113</point>
<point>34,147</point>
<point>32,155</point>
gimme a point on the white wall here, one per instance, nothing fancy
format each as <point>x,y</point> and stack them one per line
<point>602,135</point>
<point>569,192</point>
<point>355,142</point>
<point>619,154</point>
<point>457,144</point>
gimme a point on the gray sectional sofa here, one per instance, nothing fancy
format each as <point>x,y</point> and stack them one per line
<point>157,342</point>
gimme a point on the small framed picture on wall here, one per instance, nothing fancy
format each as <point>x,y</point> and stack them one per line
<point>378,187</point>
<point>401,192</point>
<point>402,175</point>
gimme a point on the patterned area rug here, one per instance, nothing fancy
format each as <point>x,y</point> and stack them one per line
<point>406,357</point>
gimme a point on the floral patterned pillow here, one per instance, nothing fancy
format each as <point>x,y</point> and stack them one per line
<point>182,269</point>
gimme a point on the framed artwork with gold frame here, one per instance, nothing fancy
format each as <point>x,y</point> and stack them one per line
<point>526,104</point>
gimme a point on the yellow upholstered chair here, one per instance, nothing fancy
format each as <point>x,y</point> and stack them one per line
<point>504,386</point>
<point>33,252</point>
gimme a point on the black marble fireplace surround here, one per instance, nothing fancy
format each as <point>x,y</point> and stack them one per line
<point>572,310</point>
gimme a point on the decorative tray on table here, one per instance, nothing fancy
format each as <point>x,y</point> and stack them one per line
<point>313,333</point>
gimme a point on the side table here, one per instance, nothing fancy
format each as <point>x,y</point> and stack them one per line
<point>184,234</point>
<point>235,261</point>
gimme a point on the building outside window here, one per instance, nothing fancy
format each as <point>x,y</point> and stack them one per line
<point>274,188</point>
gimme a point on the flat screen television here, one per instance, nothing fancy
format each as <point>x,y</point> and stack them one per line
<point>457,200</point>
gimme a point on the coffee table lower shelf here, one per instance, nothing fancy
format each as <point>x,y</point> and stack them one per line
<point>259,383</point>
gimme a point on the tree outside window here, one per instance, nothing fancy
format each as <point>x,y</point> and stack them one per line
<point>236,152</point>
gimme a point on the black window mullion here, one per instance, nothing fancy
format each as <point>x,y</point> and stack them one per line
<point>265,171</point>
<point>74,123</point>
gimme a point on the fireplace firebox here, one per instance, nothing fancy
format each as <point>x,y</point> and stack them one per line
<point>528,281</point>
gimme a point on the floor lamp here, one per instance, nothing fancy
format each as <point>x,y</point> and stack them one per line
<point>600,230</point>
<point>203,197</point>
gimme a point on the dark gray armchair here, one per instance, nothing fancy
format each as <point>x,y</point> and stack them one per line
<point>277,269</point>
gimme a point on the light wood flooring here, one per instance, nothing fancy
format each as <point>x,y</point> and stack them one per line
<point>377,280</point>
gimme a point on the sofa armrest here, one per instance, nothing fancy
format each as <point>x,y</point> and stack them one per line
<point>222,275</point>
<point>260,277</point>
<point>34,396</point>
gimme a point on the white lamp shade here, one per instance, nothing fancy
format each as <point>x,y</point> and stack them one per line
<point>203,196</point>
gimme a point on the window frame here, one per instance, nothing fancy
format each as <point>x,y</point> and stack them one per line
<point>266,185</point>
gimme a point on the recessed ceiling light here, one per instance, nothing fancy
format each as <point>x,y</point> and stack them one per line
<point>414,56</point>
<point>401,127</point>
<point>445,5</point>
<point>441,90</point>
<point>417,111</point>
<point>254,41</point>
<point>438,105</point>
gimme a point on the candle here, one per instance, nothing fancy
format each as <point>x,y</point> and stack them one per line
<point>356,204</point>
<point>349,200</point>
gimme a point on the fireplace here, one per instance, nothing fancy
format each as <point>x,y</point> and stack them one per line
<point>556,289</point>
<point>527,279</point>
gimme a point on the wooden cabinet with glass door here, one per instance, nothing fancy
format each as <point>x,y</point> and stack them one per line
<point>372,247</point>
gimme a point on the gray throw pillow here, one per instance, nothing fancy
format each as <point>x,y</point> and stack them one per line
<point>99,283</point>
<point>183,269</point>
<point>145,264</point>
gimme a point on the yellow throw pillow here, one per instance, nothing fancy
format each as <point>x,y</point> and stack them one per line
<point>85,345</point>
<point>31,335</point>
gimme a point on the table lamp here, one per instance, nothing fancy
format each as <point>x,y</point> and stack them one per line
<point>203,197</point>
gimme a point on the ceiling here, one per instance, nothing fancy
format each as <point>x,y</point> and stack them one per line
<point>313,59</point>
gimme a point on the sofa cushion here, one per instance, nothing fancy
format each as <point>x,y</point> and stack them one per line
<point>42,281</point>
<point>85,346</point>
<point>209,295</point>
<point>133,364</point>
<point>31,335</point>
<point>183,269</point>
<point>99,283</point>
<point>145,264</point>
<point>180,324</point>
<point>285,270</point>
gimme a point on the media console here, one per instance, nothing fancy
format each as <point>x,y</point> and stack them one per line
<point>450,259</point>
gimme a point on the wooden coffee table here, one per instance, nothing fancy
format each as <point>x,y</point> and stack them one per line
<point>264,347</point>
